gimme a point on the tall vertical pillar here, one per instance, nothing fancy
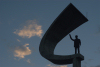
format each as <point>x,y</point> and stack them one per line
<point>77,60</point>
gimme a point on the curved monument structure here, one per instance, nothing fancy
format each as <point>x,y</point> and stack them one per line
<point>69,19</point>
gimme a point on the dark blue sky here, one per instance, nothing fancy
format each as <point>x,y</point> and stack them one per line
<point>23,24</point>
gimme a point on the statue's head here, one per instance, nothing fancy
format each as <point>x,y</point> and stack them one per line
<point>76,36</point>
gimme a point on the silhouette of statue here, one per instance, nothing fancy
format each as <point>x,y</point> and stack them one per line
<point>77,43</point>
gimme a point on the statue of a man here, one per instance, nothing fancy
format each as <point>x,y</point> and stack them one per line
<point>77,43</point>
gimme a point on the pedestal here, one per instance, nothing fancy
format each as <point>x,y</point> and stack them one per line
<point>77,60</point>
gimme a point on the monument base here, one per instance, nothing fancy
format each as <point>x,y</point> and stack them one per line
<point>77,58</point>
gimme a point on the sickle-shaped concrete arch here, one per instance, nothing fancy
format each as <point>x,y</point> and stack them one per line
<point>67,21</point>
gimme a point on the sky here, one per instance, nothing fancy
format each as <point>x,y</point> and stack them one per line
<point>23,24</point>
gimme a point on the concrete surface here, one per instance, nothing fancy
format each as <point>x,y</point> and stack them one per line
<point>69,19</point>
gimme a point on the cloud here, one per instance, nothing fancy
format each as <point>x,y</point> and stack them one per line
<point>29,30</point>
<point>22,51</point>
<point>49,65</point>
<point>15,59</point>
<point>28,61</point>
<point>18,40</point>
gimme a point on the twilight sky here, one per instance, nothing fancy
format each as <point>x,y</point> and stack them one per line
<point>23,24</point>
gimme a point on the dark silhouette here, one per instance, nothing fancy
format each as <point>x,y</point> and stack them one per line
<point>77,43</point>
<point>68,20</point>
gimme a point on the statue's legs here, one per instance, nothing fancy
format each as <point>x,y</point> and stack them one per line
<point>75,50</point>
<point>78,50</point>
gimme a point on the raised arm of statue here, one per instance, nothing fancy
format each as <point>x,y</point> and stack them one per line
<point>71,37</point>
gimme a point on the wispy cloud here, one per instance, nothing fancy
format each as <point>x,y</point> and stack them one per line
<point>18,40</point>
<point>29,30</point>
<point>22,51</point>
<point>28,61</point>
<point>49,65</point>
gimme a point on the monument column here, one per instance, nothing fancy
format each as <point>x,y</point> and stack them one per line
<point>77,60</point>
